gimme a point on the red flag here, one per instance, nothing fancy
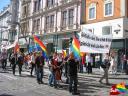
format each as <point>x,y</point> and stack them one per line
<point>16,48</point>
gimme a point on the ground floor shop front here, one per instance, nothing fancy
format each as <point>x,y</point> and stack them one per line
<point>119,48</point>
<point>55,42</point>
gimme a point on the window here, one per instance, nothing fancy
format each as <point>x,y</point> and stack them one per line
<point>35,6</point>
<point>92,11</point>
<point>71,17</point>
<point>52,21</point>
<point>39,4</point>
<point>47,22</point>
<point>64,18</point>
<point>106,30</point>
<point>25,10</point>
<point>38,24</point>
<point>108,8</point>
<point>50,3</point>
<point>34,25</point>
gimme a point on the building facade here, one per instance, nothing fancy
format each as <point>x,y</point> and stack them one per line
<point>104,17</point>
<point>9,24</point>
<point>54,21</point>
<point>4,26</point>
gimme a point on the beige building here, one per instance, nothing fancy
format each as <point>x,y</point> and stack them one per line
<point>54,21</point>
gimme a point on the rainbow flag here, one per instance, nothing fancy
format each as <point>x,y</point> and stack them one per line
<point>121,87</point>
<point>40,43</point>
<point>75,48</point>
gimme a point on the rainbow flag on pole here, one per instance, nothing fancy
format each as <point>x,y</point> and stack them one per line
<point>40,43</point>
<point>119,89</point>
<point>76,47</point>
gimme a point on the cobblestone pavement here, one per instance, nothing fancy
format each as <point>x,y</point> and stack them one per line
<point>27,86</point>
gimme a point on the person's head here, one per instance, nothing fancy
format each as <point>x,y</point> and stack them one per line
<point>4,50</point>
<point>55,55</point>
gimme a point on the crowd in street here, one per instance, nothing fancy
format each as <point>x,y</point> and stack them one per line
<point>58,65</point>
<point>35,61</point>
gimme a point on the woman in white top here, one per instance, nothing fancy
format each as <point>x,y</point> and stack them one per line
<point>32,63</point>
<point>112,65</point>
<point>89,63</point>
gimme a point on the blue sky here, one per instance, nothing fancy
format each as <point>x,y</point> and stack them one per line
<point>3,3</point>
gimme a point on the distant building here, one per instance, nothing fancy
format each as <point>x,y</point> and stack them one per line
<point>9,23</point>
<point>4,26</point>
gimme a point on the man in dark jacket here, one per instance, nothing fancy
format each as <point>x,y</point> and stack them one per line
<point>20,62</point>
<point>72,72</point>
<point>39,61</point>
<point>13,62</point>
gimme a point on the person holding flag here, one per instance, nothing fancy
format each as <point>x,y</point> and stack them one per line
<point>72,73</point>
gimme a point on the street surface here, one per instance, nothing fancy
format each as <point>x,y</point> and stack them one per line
<point>27,86</point>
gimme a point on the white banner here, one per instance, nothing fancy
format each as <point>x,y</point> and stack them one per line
<point>91,43</point>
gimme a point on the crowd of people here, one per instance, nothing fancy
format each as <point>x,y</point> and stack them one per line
<point>35,61</point>
<point>58,66</point>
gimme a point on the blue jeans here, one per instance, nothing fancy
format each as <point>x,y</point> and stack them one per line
<point>39,74</point>
<point>52,79</point>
